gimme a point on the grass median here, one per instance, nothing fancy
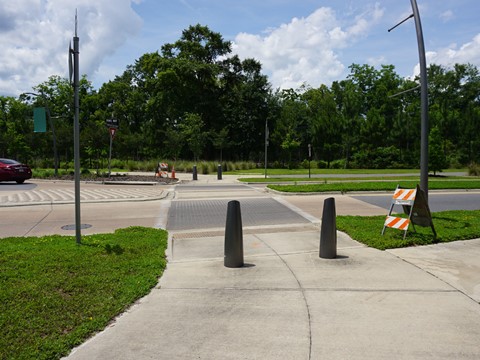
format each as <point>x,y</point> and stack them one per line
<point>450,226</point>
<point>55,294</point>
<point>348,186</point>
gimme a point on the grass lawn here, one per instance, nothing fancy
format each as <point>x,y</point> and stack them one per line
<point>348,186</point>
<point>54,294</point>
<point>273,172</point>
<point>449,225</point>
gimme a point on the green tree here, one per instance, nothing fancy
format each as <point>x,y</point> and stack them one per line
<point>174,142</point>
<point>192,129</point>
<point>437,160</point>
<point>17,139</point>
<point>324,119</point>
<point>290,144</point>
<point>351,112</point>
<point>245,100</point>
<point>220,141</point>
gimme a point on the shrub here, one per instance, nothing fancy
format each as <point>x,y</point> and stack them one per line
<point>337,164</point>
<point>305,164</point>
<point>474,169</point>
<point>379,158</point>
<point>276,165</point>
<point>385,157</point>
<point>231,166</point>
<point>322,164</point>
<point>118,164</point>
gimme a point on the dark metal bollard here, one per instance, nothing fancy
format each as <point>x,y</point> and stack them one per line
<point>219,172</point>
<point>195,172</point>
<point>328,235</point>
<point>233,236</point>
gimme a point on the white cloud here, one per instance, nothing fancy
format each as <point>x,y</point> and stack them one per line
<point>305,50</point>
<point>447,16</point>
<point>35,35</point>
<point>376,61</point>
<point>451,55</point>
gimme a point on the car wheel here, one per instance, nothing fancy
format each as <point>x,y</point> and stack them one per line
<point>20,181</point>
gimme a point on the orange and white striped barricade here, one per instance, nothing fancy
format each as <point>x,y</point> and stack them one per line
<point>415,206</point>
<point>406,198</point>
<point>162,170</point>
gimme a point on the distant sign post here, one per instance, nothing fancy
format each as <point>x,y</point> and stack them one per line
<point>112,125</point>
<point>309,159</point>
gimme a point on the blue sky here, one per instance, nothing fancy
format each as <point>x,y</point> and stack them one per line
<point>297,41</point>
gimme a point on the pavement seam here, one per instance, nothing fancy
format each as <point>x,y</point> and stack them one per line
<point>39,221</point>
<point>333,290</point>
<point>436,277</point>
<point>302,291</point>
<point>261,229</point>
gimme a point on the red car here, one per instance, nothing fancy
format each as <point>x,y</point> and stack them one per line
<point>11,170</point>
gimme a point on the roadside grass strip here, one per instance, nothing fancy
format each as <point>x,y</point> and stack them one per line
<point>54,294</point>
<point>346,186</point>
<point>450,226</point>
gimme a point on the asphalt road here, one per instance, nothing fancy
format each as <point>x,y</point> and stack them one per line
<point>438,200</point>
<point>193,205</point>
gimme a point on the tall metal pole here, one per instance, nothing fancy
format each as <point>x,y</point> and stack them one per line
<point>424,102</point>
<point>76,135</point>
<point>54,136</point>
<point>423,98</point>
<point>309,159</point>
<point>266,146</point>
<point>110,153</point>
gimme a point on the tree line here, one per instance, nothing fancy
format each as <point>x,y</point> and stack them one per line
<point>193,99</point>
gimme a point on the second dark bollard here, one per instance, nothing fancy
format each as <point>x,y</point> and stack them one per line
<point>195,172</point>
<point>233,236</point>
<point>328,235</point>
<point>219,172</point>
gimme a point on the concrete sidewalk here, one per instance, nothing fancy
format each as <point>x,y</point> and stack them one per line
<point>287,303</point>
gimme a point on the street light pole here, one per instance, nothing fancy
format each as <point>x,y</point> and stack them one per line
<point>76,128</point>
<point>424,102</point>
<point>423,98</point>
<point>266,146</point>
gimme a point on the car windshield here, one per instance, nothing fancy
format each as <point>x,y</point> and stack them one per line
<point>8,161</point>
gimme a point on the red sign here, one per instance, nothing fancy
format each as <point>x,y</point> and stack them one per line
<point>112,132</point>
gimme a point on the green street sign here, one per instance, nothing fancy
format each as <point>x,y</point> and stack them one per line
<point>39,120</point>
